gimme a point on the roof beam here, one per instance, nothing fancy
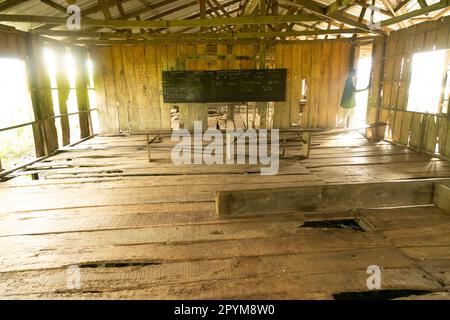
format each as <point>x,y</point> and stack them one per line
<point>191,36</point>
<point>338,6</point>
<point>105,8</point>
<point>401,5</point>
<point>221,7</point>
<point>120,8</point>
<point>422,3</point>
<point>320,11</point>
<point>127,24</point>
<point>8,4</point>
<point>390,7</point>
<point>437,6</point>
<point>364,4</point>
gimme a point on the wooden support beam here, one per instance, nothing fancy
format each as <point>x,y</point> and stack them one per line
<point>63,84</point>
<point>320,11</point>
<point>105,8</point>
<point>364,4</point>
<point>401,5</point>
<point>422,3</point>
<point>5,5</point>
<point>121,24</point>
<point>45,134</point>
<point>83,94</point>
<point>202,5</point>
<point>338,6</point>
<point>325,197</point>
<point>437,6</point>
<point>55,5</point>
<point>120,8</point>
<point>194,36</point>
<point>390,7</point>
<point>108,42</point>
<point>222,8</point>
<point>441,197</point>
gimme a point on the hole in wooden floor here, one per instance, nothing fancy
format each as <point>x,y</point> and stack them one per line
<point>117,264</point>
<point>350,224</point>
<point>378,294</point>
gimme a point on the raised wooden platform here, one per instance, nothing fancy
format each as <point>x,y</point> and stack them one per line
<point>149,230</point>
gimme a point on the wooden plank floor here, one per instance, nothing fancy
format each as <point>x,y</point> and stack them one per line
<point>148,230</point>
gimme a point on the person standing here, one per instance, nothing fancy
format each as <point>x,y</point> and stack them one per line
<point>348,102</point>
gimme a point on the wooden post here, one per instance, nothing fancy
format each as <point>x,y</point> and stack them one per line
<point>82,93</point>
<point>63,84</point>
<point>45,134</point>
<point>202,5</point>
<point>306,144</point>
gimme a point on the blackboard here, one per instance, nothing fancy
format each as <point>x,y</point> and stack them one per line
<point>224,86</point>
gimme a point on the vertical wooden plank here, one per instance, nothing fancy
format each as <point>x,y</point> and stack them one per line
<point>153,86</point>
<point>446,147</point>
<point>315,84</point>
<point>123,92</point>
<point>296,83</point>
<point>406,127</point>
<point>279,107</point>
<point>397,128</point>
<point>334,95</point>
<point>287,63</point>
<point>43,98</point>
<point>82,82</point>
<point>164,121</point>
<point>306,74</point>
<point>430,133</point>
<point>442,35</point>
<point>63,84</point>
<point>441,131</point>
<point>146,116</point>
<point>406,69</point>
<point>130,80</point>
<point>416,130</point>
<point>325,74</point>
<point>97,56</point>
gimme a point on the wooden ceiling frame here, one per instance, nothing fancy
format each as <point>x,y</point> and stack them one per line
<point>216,17</point>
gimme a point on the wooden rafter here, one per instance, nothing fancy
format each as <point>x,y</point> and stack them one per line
<point>401,5</point>
<point>120,8</point>
<point>388,5</point>
<point>320,11</point>
<point>127,24</point>
<point>105,9</point>
<point>434,7</point>
<point>8,4</point>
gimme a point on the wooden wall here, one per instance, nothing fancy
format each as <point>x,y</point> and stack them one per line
<point>129,85</point>
<point>29,48</point>
<point>12,45</point>
<point>128,81</point>
<point>389,92</point>
<point>325,67</point>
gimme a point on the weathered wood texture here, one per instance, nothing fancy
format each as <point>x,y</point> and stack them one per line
<point>30,49</point>
<point>148,230</point>
<point>324,66</point>
<point>129,83</point>
<point>128,80</point>
<point>391,76</point>
<point>329,197</point>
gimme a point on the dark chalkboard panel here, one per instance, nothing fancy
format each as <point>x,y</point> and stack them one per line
<point>224,86</point>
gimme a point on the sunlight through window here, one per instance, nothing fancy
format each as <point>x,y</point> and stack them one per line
<point>426,81</point>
